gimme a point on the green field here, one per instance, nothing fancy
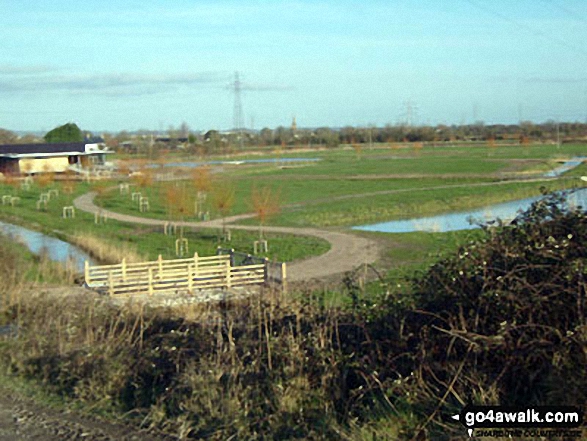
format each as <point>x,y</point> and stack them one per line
<point>147,241</point>
<point>343,189</point>
<point>383,184</point>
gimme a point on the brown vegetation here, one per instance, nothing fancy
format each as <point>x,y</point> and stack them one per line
<point>106,252</point>
<point>266,202</point>
<point>223,198</point>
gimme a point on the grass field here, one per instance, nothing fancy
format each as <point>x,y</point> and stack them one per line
<point>146,241</point>
<point>343,189</point>
<point>383,184</point>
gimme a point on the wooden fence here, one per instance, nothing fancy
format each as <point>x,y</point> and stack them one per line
<point>275,272</point>
<point>173,276</point>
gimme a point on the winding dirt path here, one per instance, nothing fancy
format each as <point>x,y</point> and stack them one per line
<point>347,251</point>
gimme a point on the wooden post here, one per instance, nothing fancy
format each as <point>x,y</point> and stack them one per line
<point>123,268</point>
<point>87,271</point>
<point>110,284</point>
<point>150,281</point>
<point>160,261</point>
<point>266,270</point>
<point>283,277</point>
<point>190,278</point>
<point>228,284</point>
<point>196,264</point>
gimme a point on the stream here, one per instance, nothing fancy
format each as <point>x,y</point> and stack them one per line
<point>38,243</point>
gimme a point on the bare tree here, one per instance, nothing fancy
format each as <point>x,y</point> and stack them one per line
<point>223,197</point>
<point>266,203</point>
<point>179,202</point>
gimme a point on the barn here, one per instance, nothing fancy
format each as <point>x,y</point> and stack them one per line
<point>56,158</point>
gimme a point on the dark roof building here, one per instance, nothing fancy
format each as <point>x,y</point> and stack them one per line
<point>42,149</point>
<point>59,157</point>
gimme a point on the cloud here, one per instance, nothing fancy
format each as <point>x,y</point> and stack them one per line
<point>112,84</point>
<point>39,79</point>
<point>555,80</point>
<point>266,88</point>
<point>537,79</point>
<point>9,69</point>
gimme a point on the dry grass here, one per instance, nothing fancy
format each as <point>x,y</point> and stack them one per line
<point>106,252</point>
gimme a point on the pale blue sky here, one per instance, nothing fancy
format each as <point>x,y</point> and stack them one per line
<point>113,65</point>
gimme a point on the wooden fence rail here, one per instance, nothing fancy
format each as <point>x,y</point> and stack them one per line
<point>174,276</point>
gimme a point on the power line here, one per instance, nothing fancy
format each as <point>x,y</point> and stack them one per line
<point>534,31</point>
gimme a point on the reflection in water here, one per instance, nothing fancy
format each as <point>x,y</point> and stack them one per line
<point>464,220</point>
<point>38,243</point>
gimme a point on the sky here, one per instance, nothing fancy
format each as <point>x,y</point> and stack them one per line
<point>128,65</point>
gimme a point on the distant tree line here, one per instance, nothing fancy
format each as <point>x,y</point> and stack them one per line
<point>154,143</point>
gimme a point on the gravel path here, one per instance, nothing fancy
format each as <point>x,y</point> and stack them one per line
<point>347,250</point>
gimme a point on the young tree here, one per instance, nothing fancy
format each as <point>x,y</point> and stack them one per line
<point>266,203</point>
<point>358,149</point>
<point>46,178</point>
<point>12,182</point>
<point>179,202</point>
<point>143,178</point>
<point>68,183</point>
<point>223,197</point>
<point>202,181</point>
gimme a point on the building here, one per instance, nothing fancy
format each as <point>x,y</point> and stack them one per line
<point>40,158</point>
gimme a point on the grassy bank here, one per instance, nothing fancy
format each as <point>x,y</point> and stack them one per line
<point>410,204</point>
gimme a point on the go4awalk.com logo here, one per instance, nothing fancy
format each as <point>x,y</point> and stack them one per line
<point>517,421</point>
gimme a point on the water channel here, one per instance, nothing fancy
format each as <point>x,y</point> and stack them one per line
<point>38,243</point>
<point>194,164</point>
<point>465,220</point>
<point>565,167</point>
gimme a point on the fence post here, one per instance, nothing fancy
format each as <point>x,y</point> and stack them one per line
<point>190,278</point>
<point>87,271</point>
<point>150,281</point>
<point>266,270</point>
<point>283,277</point>
<point>232,257</point>
<point>123,268</point>
<point>160,262</point>
<point>110,284</point>
<point>196,264</point>
<point>228,284</point>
